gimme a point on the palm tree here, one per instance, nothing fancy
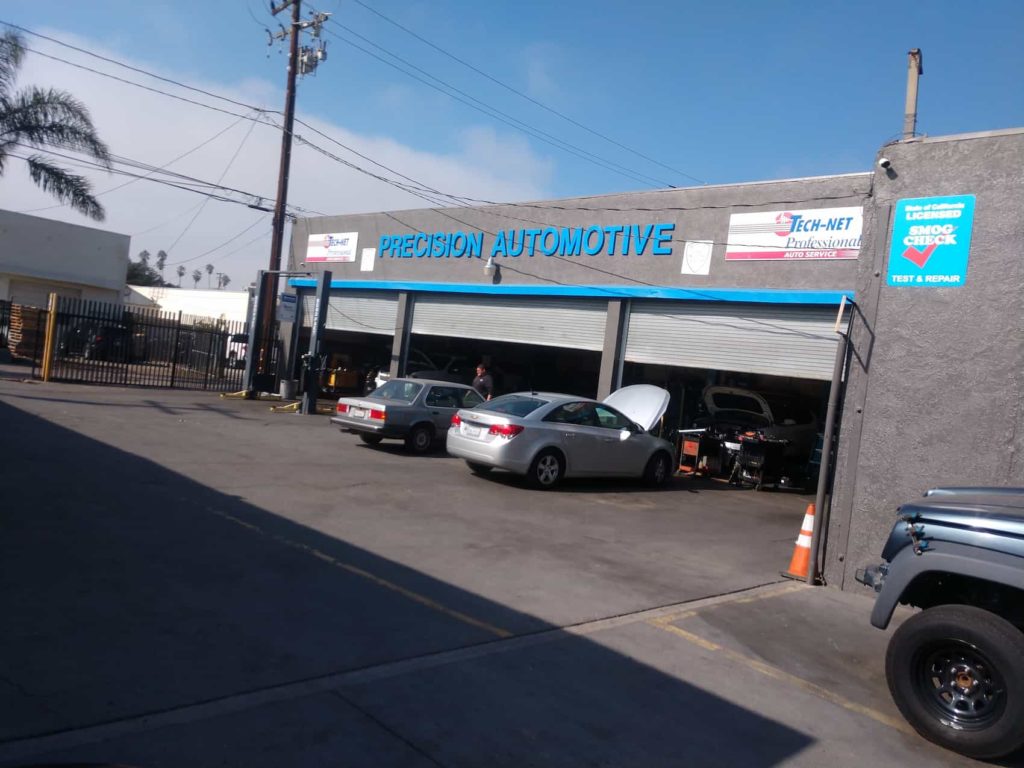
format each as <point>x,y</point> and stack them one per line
<point>209,274</point>
<point>42,118</point>
<point>196,277</point>
<point>144,258</point>
<point>224,280</point>
<point>181,274</point>
<point>161,260</point>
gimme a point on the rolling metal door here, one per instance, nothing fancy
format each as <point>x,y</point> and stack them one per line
<point>549,322</point>
<point>754,338</point>
<point>363,312</point>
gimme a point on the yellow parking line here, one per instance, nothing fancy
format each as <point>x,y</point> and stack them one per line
<point>407,593</point>
<point>775,673</point>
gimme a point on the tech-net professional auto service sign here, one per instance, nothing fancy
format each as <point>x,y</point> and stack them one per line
<point>823,233</point>
<point>332,246</point>
<point>931,242</point>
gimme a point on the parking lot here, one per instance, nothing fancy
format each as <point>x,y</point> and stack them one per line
<point>191,580</point>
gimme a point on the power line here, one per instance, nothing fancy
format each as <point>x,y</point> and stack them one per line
<point>162,167</point>
<point>219,180</point>
<point>218,247</point>
<point>122,64</point>
<point>525,96</point>
<point>263,113</point>
<point>501,116</point>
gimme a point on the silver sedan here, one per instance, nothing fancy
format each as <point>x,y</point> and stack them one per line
<point>417,411</point>
<point>547,436</point>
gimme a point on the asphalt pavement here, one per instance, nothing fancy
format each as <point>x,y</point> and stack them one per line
<point>190,580</point>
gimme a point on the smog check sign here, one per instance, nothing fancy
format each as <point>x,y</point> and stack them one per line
<point>931,242</point>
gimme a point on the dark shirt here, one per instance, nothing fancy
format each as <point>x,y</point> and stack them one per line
<point>484,385</point>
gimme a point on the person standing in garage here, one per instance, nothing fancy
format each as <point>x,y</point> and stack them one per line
<point>483,383</point>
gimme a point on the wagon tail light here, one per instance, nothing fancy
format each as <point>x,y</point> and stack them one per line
<point>377,414</point>
<point>341,408</point>
<point>505,430</point>
<point>456,420</point>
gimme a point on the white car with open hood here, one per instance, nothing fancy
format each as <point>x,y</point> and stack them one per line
<point>547,436</point>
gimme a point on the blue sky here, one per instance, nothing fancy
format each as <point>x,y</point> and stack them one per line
<point>720,92</point>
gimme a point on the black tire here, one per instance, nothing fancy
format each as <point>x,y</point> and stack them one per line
<point>370,439</point>
<point>478,469</point>
<point>420,439</point>
<point>956,673</point>
<point>546,469</point>
<point>658,469</point>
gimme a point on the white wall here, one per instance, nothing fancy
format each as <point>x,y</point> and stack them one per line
<point>228,305</point>
<point>61,257</point>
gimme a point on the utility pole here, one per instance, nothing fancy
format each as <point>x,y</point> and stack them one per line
<point>268,299</point>
<point>301,60</point>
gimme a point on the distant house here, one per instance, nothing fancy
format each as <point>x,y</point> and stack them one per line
<point>40,256</point>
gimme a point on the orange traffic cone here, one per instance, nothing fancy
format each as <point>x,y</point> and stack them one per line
<point>801,560</point>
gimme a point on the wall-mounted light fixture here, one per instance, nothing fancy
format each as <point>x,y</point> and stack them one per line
<point>489,265</point>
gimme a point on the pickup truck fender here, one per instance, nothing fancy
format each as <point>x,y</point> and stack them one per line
<point>944,557</point>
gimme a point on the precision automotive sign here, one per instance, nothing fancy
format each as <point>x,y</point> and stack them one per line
<point>615,239</point>
<point>823,233</point>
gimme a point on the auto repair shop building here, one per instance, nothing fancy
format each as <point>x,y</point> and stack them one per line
<point>737,285</point>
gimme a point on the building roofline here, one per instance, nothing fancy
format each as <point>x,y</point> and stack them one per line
<point>961,136</point>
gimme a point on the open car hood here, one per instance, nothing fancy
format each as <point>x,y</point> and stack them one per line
<point>643,403</point>
<point>736,399</point>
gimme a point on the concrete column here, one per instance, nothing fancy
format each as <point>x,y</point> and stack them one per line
<point>611,354</point>
<point>403,327</point>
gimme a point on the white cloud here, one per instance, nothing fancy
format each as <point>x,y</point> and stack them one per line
<point>155,129</point>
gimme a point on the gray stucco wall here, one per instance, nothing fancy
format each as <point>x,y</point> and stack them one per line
<point>700,213</point>
<point>937,375</point>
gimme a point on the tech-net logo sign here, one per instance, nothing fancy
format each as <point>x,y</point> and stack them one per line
<point>813,234</point>
<point>931,242</point>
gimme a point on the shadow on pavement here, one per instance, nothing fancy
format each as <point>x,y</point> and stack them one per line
<point>130,590</point>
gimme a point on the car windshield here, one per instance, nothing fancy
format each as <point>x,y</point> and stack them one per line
<point>397,389</point>
<point>513,405</point>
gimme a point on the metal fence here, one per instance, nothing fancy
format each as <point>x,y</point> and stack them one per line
<point>99,343</point>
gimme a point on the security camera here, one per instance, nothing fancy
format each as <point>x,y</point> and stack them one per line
<point>884,163</point>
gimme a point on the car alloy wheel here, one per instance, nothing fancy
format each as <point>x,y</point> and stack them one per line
<point>657,471</point>
<point>546,470</point>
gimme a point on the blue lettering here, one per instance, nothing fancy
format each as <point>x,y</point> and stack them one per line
<point>613,235</point>
<point>530,235</point>
<point>593,250</point>
<point>515,248</point>
<point>406,246</point>
<point>545,248</point>
<point>641,239</point>
<point>458,245</point>
<point>475,243</point>
<point>420,251</point>
<point>385,245</point>
<point>499,248</point>
<point>437,245</point>
<point>570,241</point>
<point>663,234</point>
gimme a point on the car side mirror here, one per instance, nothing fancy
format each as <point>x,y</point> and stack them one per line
<point>625,434</point>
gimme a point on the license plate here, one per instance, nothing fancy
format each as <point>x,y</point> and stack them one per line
<point>732,446</point>
<point>357,413</point>
<point>469,431</point>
